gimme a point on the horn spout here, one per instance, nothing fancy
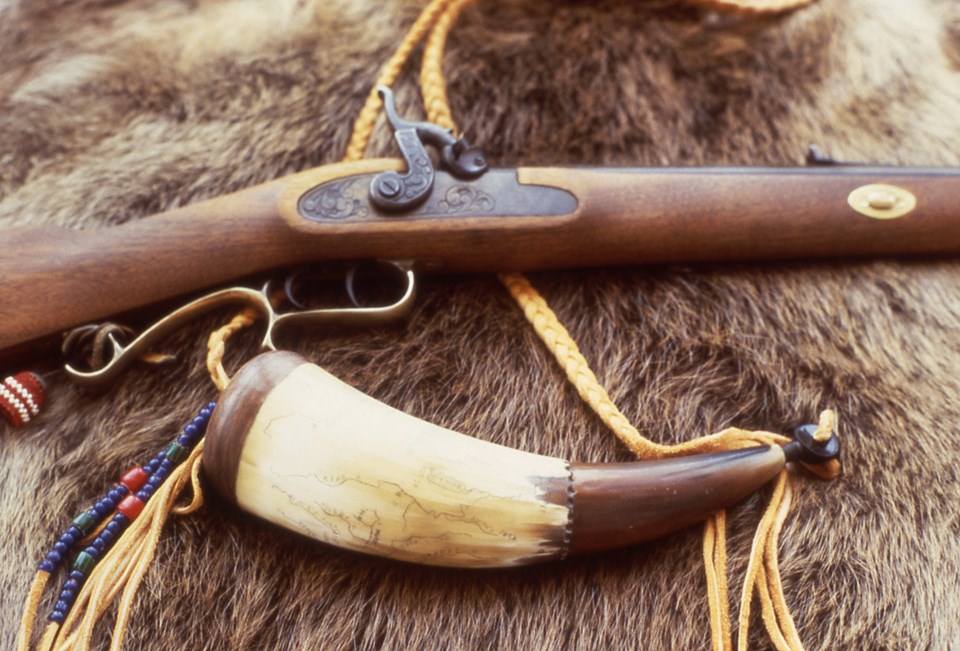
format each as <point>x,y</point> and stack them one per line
<point>298,447</point>
<point>621,504</point>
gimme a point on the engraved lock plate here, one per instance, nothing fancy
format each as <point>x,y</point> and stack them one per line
<point>881,201</point>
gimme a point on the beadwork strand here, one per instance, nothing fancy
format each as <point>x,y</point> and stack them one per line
<point>99,526</point>
<point>126,500</point>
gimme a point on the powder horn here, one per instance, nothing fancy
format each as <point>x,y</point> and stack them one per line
<point>296,446</point>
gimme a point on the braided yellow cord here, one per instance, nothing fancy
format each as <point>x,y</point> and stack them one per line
<point>433,85</point>
<point>763,574</point>
<point>217,344</point>
<point>559,342</point>
<point>363,126</point>
<point>123,569</point>
<point>535,308</point>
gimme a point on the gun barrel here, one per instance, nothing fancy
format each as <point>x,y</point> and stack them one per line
<point>52,278</point>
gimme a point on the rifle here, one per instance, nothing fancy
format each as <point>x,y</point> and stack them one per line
<point>468,218</point>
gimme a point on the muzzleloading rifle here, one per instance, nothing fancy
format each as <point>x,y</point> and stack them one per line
<point>279,411</point>
<point>296,446</point>
<point>466,217</point>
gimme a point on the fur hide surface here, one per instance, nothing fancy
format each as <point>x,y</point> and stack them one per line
<point>111,110</point>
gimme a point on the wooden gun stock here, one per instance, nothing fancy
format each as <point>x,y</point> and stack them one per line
<point>530,218</point>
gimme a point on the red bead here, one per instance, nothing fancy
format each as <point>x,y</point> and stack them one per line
<point>21,398</point>
<point>134,479</point>
<point>130,507</point>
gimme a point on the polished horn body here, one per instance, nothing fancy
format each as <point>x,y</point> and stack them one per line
<point>298,447</point>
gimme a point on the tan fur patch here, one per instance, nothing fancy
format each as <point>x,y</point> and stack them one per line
<point>114,110</point>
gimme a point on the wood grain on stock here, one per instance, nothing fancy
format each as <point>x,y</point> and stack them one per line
<point>53,278</point>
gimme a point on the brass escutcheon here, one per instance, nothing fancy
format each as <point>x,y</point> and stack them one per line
<point>881,201</point>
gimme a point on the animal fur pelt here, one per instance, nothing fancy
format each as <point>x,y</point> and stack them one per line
<point>111,110</point>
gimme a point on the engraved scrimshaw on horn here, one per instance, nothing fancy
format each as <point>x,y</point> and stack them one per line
<point>291,443</point>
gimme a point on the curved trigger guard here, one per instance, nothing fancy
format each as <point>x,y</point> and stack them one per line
<point>259,300</point>
<point>355,316</point>
<point>125,356</point>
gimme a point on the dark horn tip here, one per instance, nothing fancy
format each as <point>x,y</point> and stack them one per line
<point>806,448</point>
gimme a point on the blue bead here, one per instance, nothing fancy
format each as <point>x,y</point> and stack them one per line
<point>67,595</point>
<point>113,526</point>
<point>185,441</point>
<point>103,508</point>
<point>62,606</point>
<point>72,584</point>
<point>77,575</point>
<point>144,493</point>
<point>122,522</point>
<point>75,532</point>
<point>193,429</point>
<point>114,495</point>
<point>98,543</point>
<point>46,566</point>
<point>57,616</point>
<point>157,480</point>
<point>166,466</point>
<point>54,557</point>
<point>61,548</point>
<point>68,539</point>
<point>107,537</point>
<point>92,552</point>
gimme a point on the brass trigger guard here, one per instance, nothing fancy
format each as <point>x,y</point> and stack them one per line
<point>125,356</point>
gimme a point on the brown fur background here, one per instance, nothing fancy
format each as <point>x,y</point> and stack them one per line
<point>111,110</point>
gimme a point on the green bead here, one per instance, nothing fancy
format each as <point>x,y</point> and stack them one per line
<point>85,522</point>
<point>176,452</point>
<point>84,563</point>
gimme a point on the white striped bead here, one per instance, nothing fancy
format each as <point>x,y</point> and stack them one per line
<point>15,402</point>
<point>24,394</point>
